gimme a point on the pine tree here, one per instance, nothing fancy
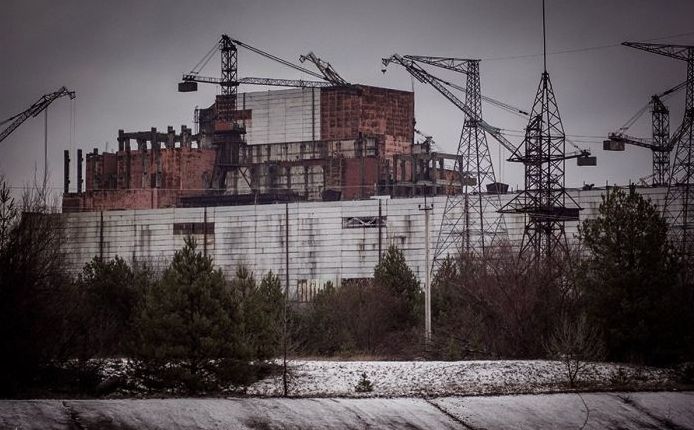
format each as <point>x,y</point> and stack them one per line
<point>632,289</point>
<point>108,294</point>
<point>187,326</point>
<point>396,278</point>
<point>260,312</point>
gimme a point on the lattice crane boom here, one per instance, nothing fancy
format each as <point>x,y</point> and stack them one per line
<point>229,80</point>
<point>328,72</point>
<point>39,106</point>
<point>678,52</point>
<point>425,77</point>
<point>274,82</point>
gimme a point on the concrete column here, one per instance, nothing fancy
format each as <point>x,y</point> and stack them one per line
<point>80,160</point>
<point>66,171</point>
<point>156,152</point>
<point>170,138</point>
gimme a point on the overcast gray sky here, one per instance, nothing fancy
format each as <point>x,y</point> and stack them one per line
<point>124,59</point>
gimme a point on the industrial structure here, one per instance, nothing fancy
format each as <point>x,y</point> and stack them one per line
<point>331,140</point>
<point>319,141</point>
<point>659,144</point>
<point>477,228</point>
<point>677,206</point>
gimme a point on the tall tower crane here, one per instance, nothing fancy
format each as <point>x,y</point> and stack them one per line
<point>39,106</point>
<point>229,80</point>
<point>680,191</point>
<point>660,144</point>
<point>226,102</point>
<point>478,226</point>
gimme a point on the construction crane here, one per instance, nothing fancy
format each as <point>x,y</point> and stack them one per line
<point>458,65</point>
<point>39,106</point>
<point>544,203</point>
<point>225,104</point>
<point>329,74</point>
<point>229,80</point>
<point>472,229</point>
<point>677,207</point>
<point>583,155</point>
<point>660,145</point>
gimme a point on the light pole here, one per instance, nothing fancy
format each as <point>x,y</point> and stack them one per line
<point>427,273</point>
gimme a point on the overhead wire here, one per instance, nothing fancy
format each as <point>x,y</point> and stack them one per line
<point>584,49</point>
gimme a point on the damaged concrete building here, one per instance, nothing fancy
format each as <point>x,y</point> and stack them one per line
<point>299,144</point>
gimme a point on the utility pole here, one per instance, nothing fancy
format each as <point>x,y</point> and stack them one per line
<point>286,300</point>
<point>45,150</point>
<point>427,272</point>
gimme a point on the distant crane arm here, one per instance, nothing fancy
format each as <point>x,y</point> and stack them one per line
<point>39,106</point>
<point>423,76</point>
<point>636,141</point>
<point>678,52</point>
<point>300,83</point>
<point>278,59</point>
<point>656,104</point>
<point>460,65</point>
<point>329,74</point>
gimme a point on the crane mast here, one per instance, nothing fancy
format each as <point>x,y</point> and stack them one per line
<point>677,208</point>
<point>470,223</point>
<point>661,144</point>
<point>229,81</point>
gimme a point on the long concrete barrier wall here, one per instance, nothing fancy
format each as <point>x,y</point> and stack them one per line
<point>327,241</point>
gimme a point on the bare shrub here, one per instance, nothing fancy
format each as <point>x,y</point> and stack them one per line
<point>575,343</point>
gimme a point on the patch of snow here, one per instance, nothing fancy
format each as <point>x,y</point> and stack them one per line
<point>444,378</point>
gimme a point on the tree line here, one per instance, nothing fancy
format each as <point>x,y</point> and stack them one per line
<point>625,295</point>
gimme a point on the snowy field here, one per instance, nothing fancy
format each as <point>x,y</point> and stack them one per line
<point>459,378</point>
<point>539,411</point>
<point>407,394</point>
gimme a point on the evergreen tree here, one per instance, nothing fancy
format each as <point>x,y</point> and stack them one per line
<point>108,293</point>
<point>188,323</point>
<point>631,283</point>
<point>397,279</point>
<point>260,312</point>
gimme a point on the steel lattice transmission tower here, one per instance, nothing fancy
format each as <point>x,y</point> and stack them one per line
<point>677,209</point>
<point>544,200</point>
<point>471,223</point>
<point>660,125</point>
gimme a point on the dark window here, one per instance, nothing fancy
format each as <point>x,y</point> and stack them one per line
<point>363,221</point>
<point>186,228</point>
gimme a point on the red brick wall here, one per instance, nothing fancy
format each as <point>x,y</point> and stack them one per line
<point>185,171</point>
<point>340,109</point>
<point>385,113</point>
<point>120,199</point>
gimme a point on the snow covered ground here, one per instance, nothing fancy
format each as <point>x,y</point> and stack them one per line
<point>443,378</point>
<point>407,394</point>
<point>557,411</point>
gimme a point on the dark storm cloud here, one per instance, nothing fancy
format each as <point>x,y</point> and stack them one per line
<point>124,60</point>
